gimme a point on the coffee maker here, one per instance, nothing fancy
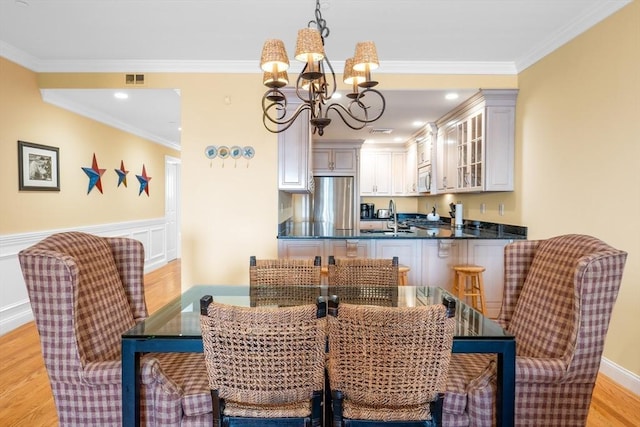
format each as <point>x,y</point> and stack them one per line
<point>366,210</point>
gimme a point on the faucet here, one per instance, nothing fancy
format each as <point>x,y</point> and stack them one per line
<point>393,216</point>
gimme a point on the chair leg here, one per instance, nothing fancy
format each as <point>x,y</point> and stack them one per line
<point>217,409</point>
<point>481,292</point>
<point>316,408</point>
<point>336,406</point>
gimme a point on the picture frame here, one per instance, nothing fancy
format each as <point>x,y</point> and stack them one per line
<point>38,167</point>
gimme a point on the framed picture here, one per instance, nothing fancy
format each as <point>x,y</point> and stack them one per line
<point>38,167</point>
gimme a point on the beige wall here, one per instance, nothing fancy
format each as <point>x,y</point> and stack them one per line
<point>577,158</point>
<point>578,155</point>
<point>24,116</point>
<point>575,167</point>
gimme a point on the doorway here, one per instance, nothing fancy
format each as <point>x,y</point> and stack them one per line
<point>172,167</point>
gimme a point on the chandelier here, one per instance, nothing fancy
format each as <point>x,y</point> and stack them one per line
<point>314,87</point>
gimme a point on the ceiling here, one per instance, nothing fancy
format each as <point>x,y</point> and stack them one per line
<point>412,36</point>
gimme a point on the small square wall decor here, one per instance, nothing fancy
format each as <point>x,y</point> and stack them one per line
<point>38,167</point>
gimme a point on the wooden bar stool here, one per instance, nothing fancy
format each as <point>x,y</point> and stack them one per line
<point>473,288</point>
<point>402,275</point>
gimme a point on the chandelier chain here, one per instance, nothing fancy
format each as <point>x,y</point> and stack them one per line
<point>320,22</point>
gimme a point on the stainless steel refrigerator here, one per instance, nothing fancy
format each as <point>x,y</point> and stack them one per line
<point>333,202</point>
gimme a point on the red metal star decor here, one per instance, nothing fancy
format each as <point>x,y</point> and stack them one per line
<point>94,173</point>
<point>144,181</point>
<point>122,174</point>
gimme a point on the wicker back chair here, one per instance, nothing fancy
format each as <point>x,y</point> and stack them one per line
<point>265,365</point>
<point>85,291</point>
<point>557,301</point>
<point>284,282</point>
<point>389,364</point>
<point>284,271</point>
<point>364,280</point>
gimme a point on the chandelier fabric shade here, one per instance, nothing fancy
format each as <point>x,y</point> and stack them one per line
<point>309,45</point>
<point>366,56</point>
<point>275,80</point>
<point>350,76</point>
<point>316,83</point>
<point>274,57</point>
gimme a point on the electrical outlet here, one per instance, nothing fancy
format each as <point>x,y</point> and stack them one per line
<point>483,208</point>
<point>501,209</point>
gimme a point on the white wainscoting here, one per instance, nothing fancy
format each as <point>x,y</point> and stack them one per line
<point>14,301</point>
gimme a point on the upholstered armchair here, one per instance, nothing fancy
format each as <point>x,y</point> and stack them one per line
<point>557,301</point>
<point>85,291</point>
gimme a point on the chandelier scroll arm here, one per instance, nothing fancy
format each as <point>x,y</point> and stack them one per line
<point>282,124</point>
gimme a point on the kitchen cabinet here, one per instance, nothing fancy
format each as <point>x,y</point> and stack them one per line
<point>469,148</point>
<point>398,173</point>
<point>349,248</point>
<point>438,258</point>
<point>375,173</point>
<point>411,170</point>
<point>489,253</point>
<point>309,248</point>
<point>408,252</point>
<point>373,225</point>
<point>329,161</point>
<point>475,144</point>
<point>430,260</point>
<point>444,170</point>
<point>301,248</point>
<point>425,141</point>
<point>294,157</point>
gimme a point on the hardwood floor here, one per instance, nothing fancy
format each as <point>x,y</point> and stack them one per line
<point>26,399</point>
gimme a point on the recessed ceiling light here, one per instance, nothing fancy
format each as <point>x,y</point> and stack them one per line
<point>121,95</point>
<point>451,96</point>
<point>397,139</point>
<point>336,95</point>
<point>418,123</point>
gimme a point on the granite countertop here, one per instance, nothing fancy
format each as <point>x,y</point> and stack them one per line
<point>412,226</point>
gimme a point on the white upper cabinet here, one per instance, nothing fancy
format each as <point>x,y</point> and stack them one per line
<point>330,159</point>
<point>294,157</point>
<point>411,170</point>
<point>375,173</point>
<point>444,170</point>
<point>398,174</point>
<point>475,144</point>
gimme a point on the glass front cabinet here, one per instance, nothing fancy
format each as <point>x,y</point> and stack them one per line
<point>475,144</point>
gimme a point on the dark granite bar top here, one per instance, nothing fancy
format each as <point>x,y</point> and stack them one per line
<point>411,226</point>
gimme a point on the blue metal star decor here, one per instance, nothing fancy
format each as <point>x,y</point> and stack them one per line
<point>94,173</point>
<point>122,174</point>
<point>144,181</point>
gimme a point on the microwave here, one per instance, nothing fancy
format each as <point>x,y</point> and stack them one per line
<point>424,179</point>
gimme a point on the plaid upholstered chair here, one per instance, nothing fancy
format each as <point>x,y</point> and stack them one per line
<point>388,365</point>
<point>558,298</point>
<point>265,365</point>
<point>85,291</point>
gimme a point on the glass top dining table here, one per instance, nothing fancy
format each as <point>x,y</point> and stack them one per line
<point>176,328</point>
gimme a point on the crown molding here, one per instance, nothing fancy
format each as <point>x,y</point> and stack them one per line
<point>579,25</point>
<point>590,17</point>
<point>51,97</point>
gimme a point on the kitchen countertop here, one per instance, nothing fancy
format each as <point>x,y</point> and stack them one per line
<point>412,227</point>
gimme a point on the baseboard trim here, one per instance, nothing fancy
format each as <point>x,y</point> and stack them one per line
<point>621,376</point>
<point>15,309</point>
